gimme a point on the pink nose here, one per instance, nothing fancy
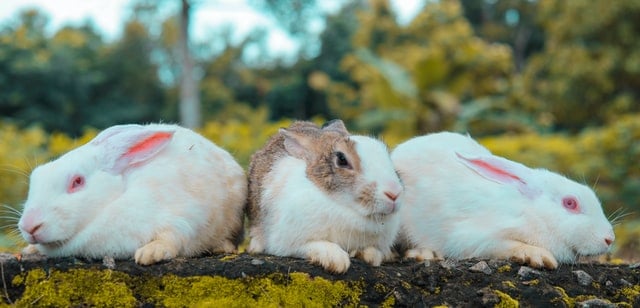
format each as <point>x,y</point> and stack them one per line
<point>391,195</point>
<point>33,229</point>
<point>608,241</point>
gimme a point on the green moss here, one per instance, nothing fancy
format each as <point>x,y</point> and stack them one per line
<point>506,301</point>
<point>571,301</point>
<point>229,257</point>
<point>504,268</point>
<point>566,299</point>
<point>509,284</point>
<point>101,288</point>
<point>582,298</point>
<point>436,291</point>
<point>631,293</point>
<point>380,288</point>
<point>73,288</point>
<point>406,285</point>
<point>390,301</point>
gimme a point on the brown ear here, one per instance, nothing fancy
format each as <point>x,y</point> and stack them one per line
<point>297,144</point>
<point>336,125</point>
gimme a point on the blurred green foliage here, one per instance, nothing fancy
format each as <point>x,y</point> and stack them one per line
<point>487,67</point>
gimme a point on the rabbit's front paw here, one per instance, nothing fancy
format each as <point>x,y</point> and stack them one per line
<point>534,256</point>
<point>420,254</point>
<point>328,255</point>
<point>154,252</point>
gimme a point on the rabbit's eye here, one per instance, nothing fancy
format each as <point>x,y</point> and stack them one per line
<point>75,184</point>
<point>571,203</point>
<point>341,160</point>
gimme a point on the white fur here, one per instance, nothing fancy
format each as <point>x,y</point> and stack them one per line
<point>455,212</point>
<point>303,221</point>
<point>175,202</point>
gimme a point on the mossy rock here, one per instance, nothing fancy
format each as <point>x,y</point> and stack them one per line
<point>266,281</point>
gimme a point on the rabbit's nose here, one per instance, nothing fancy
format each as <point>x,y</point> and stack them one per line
<point>608,241</point>
<point>32,229</point>
<point>391,196</point>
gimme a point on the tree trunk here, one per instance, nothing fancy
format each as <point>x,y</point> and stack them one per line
<point>189,98</point>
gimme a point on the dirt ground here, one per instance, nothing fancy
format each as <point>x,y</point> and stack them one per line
<point>466,283</point>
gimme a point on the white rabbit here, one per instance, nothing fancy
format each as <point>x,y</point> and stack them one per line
<point>461,202</point>
<point>324,195</point>
<point>151,192</point>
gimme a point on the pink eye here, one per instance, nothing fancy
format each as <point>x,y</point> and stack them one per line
<point>571,204</point>
<point>76,183</point>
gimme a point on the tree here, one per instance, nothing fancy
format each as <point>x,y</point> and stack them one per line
<point>415,79</point>
<point>589,71</point>
<point>48,80</point>
<point>189,97</point>
<point>73,79</point>
<point>511,22</point>
<point>131,90</point>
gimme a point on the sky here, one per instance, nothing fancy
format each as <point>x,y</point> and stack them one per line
<point>108,17</point>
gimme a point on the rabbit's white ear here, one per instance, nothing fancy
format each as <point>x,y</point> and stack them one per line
<point>114,130</point>
<point>502,171</point>
<point>131,145</point>
<point>296,144</point>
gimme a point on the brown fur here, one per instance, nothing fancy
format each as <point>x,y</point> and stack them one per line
<point>323,170</point>
<point>260,165</point>
<point>320,146</point>
<point>366,195</point>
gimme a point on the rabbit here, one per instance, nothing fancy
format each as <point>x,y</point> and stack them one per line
<point>324,195</point>
<point>461,202</point>
<point>152,192</point>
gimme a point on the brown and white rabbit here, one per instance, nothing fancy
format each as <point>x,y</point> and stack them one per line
<point>461,201</point>
<point>324,195</point>
<point>152,192</point>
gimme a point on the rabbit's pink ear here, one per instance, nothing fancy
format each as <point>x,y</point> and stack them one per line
<point>502,171</point>
<point>132,146</point>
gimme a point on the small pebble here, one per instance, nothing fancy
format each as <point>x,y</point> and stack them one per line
<point>596,302</point>
<point>448,264</point>
<point>481,267</point>
<point>109,262</point>
<point>7,257</point>
<point>584,279</point>
<point>528,273</point>
<point>257,262</point>
<point>625,283</point>
<point>35,257</point>
<point>634,265</point>
<point>488,297</point>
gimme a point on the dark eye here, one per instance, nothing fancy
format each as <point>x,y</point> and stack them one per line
<point>571,204</point>
<point>76,183</point>
<point>341,160</point>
